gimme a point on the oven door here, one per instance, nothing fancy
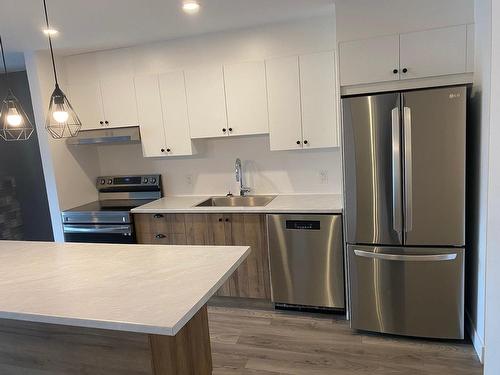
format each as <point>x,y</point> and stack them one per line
<point>111,233</point>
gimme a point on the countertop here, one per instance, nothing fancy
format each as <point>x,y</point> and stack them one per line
<point>307,203</point>
<point>138,288</point>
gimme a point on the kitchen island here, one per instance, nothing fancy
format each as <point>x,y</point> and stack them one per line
<point>108,309</point>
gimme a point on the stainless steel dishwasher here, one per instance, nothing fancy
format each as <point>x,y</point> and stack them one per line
<point>306,260</point>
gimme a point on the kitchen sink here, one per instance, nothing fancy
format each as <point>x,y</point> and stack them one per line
<point>246,201</point>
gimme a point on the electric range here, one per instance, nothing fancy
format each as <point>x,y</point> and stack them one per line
<point>108,220</point>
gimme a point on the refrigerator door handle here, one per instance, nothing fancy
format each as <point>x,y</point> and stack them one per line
<point>396,173</point>
<point>408,178</point>
<point>406,258</point>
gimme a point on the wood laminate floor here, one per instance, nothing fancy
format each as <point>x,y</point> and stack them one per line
<point>267,342</point>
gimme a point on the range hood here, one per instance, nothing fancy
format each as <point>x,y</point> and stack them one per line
<point>106,136</point>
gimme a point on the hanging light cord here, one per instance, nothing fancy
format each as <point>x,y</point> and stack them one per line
<point>50,41</point>
<point>4,63</point>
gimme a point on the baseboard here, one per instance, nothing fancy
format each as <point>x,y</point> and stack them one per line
<point>477,341</point>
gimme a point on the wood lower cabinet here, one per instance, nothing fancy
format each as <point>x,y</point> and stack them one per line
<point>251,279</point>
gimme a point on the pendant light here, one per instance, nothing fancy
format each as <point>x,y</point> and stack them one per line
<point>62,121</point>
<point>15,124</point>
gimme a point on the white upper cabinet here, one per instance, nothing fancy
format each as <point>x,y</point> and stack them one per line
<point>86,100</point>
<point>370,60</point>
<point>318,90</point>
<point>433,52</point>
<point>119,102</point>
<point>149,108</point>
<point>162,109</point>
<point>470,47</point>
<point>246,98</point>
<point>175,114</point>
<point>100,98</point>
<point>206,102</point>
<point>420,54</point>
<point>283,86</point>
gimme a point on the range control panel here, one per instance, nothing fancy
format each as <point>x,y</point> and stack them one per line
<point>123,181</point>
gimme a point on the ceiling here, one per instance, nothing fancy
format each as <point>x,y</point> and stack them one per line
<point>87,25</point>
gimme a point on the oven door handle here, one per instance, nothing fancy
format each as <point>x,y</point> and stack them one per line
<point>100,229</point>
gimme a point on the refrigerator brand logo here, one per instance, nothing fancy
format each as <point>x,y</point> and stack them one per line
<point>454,96</point>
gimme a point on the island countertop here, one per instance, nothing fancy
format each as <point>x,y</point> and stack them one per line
<point>154,289</point>
<point>300,203</point>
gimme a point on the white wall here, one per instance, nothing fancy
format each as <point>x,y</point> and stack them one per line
<point>212,169</point>
<point>69,173</point>
<point>478,164</point>
<point>492,321</point>
<point>358,19</point>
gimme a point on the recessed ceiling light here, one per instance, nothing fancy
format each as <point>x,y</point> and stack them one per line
<point>190,6</point>
<point>50,32</point>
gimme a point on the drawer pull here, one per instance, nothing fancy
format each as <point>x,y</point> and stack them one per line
<point>406,258</point>
<point>157,216</point>
<point>160,235</point>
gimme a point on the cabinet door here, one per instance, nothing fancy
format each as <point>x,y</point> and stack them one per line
<point>251,279</point>
<point>246,98</point>
<point>206,102</point>
<point>285,124</point>
<point>319,100</point>
<point>470,47</point>
<point>118,97</point>
<point>369,61</point>
<point>434,52</point>
<point>87,102</point>
<point>149,109</point>
<point>175,115</point>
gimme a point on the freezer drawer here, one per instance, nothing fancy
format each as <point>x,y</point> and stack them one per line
<point>407,291</point>
<point>306,260</point>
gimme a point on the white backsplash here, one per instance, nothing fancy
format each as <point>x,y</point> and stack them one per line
<point>211,171</point>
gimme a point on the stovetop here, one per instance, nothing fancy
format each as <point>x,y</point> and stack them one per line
<point>118,205</point>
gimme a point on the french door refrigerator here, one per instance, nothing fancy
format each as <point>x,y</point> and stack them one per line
<point>404,169</point>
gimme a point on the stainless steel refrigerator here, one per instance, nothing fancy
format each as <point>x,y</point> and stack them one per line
<point>404,176</point>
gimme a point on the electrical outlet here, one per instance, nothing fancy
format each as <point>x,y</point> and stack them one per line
<point>323,177</point>
<point>189,179</point>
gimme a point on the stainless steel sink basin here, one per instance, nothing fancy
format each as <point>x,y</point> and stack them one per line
<point>247,201</point>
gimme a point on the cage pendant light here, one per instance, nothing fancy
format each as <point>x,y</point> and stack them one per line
<point>62,120</point>
<point>15,124</point>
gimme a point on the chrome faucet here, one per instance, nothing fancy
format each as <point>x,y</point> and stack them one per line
<point>239,178</point>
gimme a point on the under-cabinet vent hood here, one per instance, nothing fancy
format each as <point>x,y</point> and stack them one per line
<point>106,136</point>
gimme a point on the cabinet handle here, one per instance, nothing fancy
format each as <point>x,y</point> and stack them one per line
<point>162,150</point>
<point>405,70</point>
<point>158,216</point>
<point>168,150</point>
<point>305,142</point>
<point>223,130</point>
<point>220,219</point>
<point>106,122</point>
<point>395,71</point>
<point>160,235</point>
<point>298,142</point>
<point>101,122</point>
<point>230,129</point>
<point>227,220</point>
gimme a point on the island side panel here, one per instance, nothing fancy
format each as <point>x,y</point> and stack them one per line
<point>29,348</point>
<point>187,353</point>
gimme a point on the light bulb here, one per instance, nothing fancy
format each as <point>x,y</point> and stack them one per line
<point>60,114</point>
<point>13,117</point>
<point>190,6</point>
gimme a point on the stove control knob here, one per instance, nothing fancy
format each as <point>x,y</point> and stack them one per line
<point>146,180</point>
<point>153,180</point>
<point>110,181</point>
<point>103,181</point>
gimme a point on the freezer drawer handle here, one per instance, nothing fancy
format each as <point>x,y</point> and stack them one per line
<point>406,258</point>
